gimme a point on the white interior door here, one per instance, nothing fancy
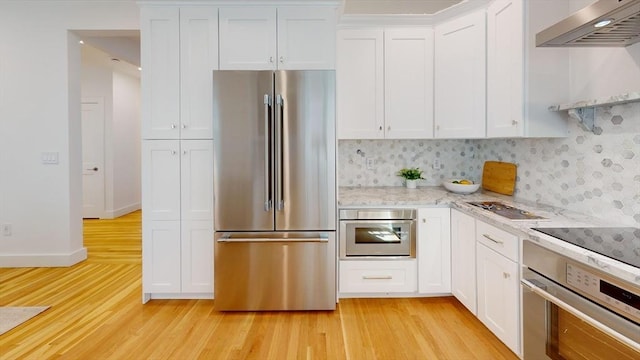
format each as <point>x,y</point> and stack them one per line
<point>93,158</point>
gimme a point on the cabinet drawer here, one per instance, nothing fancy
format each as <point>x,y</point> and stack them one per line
<point>499,240</point>
<point>378,276</point>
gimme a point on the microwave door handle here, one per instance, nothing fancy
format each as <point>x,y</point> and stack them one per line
<point>267,148</point>
<point>279,148</point>
<point>577,313</point>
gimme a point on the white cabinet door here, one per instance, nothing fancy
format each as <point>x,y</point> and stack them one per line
<point>498,299</point>
<point>408,83</point>
<point>434,250</point>
<point>460,77</point>
<point>360,84</point>
<point>197,256</point>
<point>196,167</point>
<point>306,38</point>
<point>161,259</point>
<point>198,58</point>
<point>160,180</point>
<point>505,68</point>
<point>463,259</point>
<point>247,38</point>
<point>160,61</point>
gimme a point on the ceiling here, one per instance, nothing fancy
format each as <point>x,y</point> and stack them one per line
<point>417,7</point>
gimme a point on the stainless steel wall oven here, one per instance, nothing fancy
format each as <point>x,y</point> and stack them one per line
<point>575,311</point>
<point>377,233</point>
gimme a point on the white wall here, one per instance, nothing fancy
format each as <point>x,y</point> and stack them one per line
<point>120,91</point>
<point>597,73</point>
<point>40,112</point>
<point>126,144</point>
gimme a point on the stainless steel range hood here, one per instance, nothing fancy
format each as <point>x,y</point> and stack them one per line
<point>578,30</point>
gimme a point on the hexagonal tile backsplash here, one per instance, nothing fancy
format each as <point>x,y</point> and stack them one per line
<point>596,173</point>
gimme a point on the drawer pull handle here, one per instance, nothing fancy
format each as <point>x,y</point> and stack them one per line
<point>377,277</point>
<point>492,239</point>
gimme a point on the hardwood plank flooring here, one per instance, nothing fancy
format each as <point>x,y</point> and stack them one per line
<point>96,313</point>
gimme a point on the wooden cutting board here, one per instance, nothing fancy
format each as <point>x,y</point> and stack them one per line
<point>499,177</point>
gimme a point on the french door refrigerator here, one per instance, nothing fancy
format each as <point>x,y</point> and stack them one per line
<point>274,190</point>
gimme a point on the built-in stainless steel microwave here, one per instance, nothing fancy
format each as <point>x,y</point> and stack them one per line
<point>377,233</point>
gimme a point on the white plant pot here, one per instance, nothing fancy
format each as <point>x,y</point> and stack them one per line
<point>411,184</point>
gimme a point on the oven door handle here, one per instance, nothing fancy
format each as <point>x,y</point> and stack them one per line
<point>577,313</point>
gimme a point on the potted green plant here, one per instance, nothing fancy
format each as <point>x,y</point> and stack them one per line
<point>411,176</point>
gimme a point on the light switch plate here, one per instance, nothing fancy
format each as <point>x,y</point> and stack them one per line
<point>49,158</point>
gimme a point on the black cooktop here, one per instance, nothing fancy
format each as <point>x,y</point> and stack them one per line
<point>620,243</point>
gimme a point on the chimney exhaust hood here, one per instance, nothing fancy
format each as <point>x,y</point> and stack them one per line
<point>619,22</point>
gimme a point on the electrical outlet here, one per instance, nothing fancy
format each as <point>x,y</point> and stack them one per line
<point>371,163</point>
<point>6,229</point>
<point>436,164</point>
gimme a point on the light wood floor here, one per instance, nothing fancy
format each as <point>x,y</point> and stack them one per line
<point>96,313</point>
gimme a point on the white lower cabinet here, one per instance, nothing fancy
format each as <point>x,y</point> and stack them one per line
<point>485,277</point>
<point>177,212</point>
<point>434,250</point>
<point>463,259</point>
<point>378,276</point>
<point>498,300</point>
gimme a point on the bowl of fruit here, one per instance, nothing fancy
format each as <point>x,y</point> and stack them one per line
<point>461,186</point>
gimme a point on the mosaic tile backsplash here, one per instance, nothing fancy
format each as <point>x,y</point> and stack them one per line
<point>596,173</point>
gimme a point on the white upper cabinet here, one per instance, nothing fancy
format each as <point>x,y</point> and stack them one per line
<point>306,38</point>
<point>179,50</point>
<point>385,83</point>
<point>248,38</point>
<point>460,77</point>
<point>522,80</point>
<point>408,83</point>
<point>160,77</point>
<point>198,58</point>
<point>269,38</point>
<point>359,84</point>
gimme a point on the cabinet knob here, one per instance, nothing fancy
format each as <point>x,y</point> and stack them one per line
<point>173,152</point>
<point>514,122</point>
<point>184,126</point>
<point>389,128</point>
<point>381,128</point>
<point>506,275</point>
<point>173,126</point>
<point>437,127</point>
<point>271,59</point>
<point>424,221</point>
<point>184,152</point>
<point>281,59</point>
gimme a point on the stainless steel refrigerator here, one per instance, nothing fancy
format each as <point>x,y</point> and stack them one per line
<point>275,190</point>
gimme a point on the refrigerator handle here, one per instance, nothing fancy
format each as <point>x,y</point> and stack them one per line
<point>279,166</point>
<point>267,163</point>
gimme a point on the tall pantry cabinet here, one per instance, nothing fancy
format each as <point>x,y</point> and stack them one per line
<point>179,50</point>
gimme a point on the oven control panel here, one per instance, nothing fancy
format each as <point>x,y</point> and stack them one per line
<point>622,300</point>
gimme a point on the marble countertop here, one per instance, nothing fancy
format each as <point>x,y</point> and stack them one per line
<point>436,196</point>
<point>612,100</point>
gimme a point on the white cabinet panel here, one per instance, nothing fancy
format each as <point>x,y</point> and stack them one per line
<point>198,58</point>
<point>306,38</point>
<point>378,276</point>
<point>434,250</point>
<point>197,257</point>
<point>161,180</point>
<point>498,299</point>
<point>523,80</point>
<point>408,83</point>
<point>460,77</point>
<point>197,179</point>
<point>247,38</point>
<point>360,84</point>
<point>463,259</point>
<point>498,240</point>
<point>160,249</point>
<point>160,77</point>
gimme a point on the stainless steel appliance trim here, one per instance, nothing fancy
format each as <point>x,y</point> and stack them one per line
<point>279,165</point>
<point>377,214</point>
<point>267,153</point>
<point>570,309</point>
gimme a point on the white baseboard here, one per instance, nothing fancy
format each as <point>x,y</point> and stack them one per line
<point>176,296</point>
<point>112,214</point>
<point>43,260</point>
